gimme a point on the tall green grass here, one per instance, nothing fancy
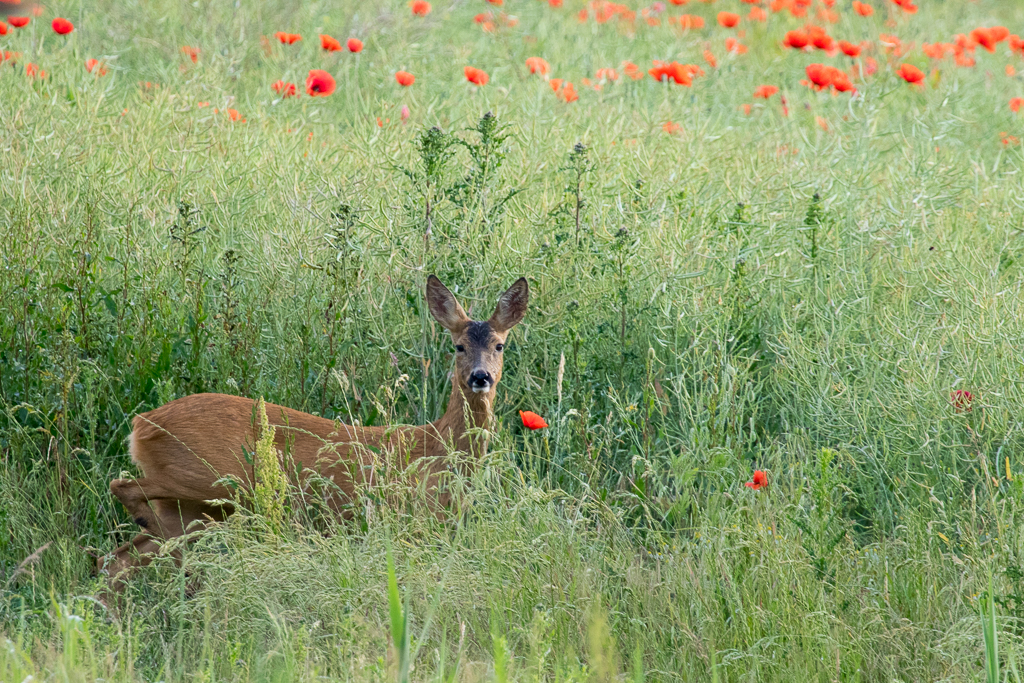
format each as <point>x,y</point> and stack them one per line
<point>754,292</point>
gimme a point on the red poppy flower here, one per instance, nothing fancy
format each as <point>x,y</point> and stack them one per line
<point>910,73</point>
<point>757,14</point>
<point>735,47</point>
<point>764,92</point>
<point>537,65</point>
<point>567,92</point>
<point>95,66</point>
<point>728,19</point>
<point>62,26</point>
<point>319,83</point>
<point>961,400</point>
<point>404,78</point>
<point>849,49</point>
<point>3,29</point>
<point>819,75</point>
<point>841,82</point>
<point>988,38</point>
<point>797,40</point>
<point>682,74</point>
<point>285,89</point>
<point>532,420</point>
<point>18,22</point>
<point>689,21</point>
<point>420,8</point>
<point>330,44</point>
<point>709,57</point>
<point>606,74</point>
<point>632,70</point>
<point>190,52</point>
<point>234,115</point>
<point>907,6</point>
<point>287,38</point>
<point>354,45</point>
<point>476,76</point>
<point>33,71</point>
<point>1016,103</point>
<point>863,8</point>
<point>760,480</point>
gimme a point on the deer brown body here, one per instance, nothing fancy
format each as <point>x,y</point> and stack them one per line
<point>184,448</point>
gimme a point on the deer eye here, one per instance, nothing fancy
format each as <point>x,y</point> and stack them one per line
<point>499,347</point>
<point>460,348</point>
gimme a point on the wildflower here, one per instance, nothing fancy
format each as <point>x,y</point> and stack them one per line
<point>822,123</point>
<point>354,45</point>
<point>405,113</point>
<point>910,73</point>
<point>760,480</point>
<point>820,75</point>
<point>746,108</point>
<point>709,57</point>
<point>907,6</point>
<point>765,92</point>
<point>319,83</point>
<point>95,66</point>
<point>404,78</point>
<point>287,38</point>
<point>330,43</point>
<point>420,8</point>
<point>735,47</point>
<point>841,82</point>
<point>863,8</point>
<point>568,94</point>
<point>18,22</point>
<point>3,29</point>
<point>671,128</point>
<point>607,74</point>
<point>689,21</point>
<point>988,38</point>
<point>682,74</point>
<point>961,398</point>
<point>537,65</point>
<point>285,90</point>
<point>33,71</point>
<point>476,76</point>
<point>190,52</point>
<point>532,420</point>
<point>797,40</point>
<point>62,26</point>
<point>1016,104</point>
<point>234,115</point>
<point>632,70</point>
<point>849,49</point>
<point>757,14</point>
<point>1010,70</point>
<point>728,19</point>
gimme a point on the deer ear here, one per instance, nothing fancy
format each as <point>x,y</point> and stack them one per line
<point>511,306</point>
<point>443,306</point>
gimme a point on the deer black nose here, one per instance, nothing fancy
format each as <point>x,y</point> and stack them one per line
<point>480,378</point>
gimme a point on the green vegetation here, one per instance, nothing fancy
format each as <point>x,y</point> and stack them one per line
<point>752,292</point>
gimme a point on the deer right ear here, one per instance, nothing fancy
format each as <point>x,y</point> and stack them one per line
<point>443,306</point>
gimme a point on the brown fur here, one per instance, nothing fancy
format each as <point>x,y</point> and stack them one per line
<point>184,447</point>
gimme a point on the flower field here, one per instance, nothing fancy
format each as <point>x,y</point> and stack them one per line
<point>763,421</point>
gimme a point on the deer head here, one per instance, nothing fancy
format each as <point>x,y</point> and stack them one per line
<point>478,344</point>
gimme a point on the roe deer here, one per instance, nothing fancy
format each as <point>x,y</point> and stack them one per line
<point>184,447</point>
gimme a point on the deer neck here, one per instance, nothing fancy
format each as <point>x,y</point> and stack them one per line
<point>466,410</point>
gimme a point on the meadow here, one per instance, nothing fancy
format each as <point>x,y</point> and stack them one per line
<point>820,282</point>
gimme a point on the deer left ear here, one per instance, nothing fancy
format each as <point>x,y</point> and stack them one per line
<point>511,306</point>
